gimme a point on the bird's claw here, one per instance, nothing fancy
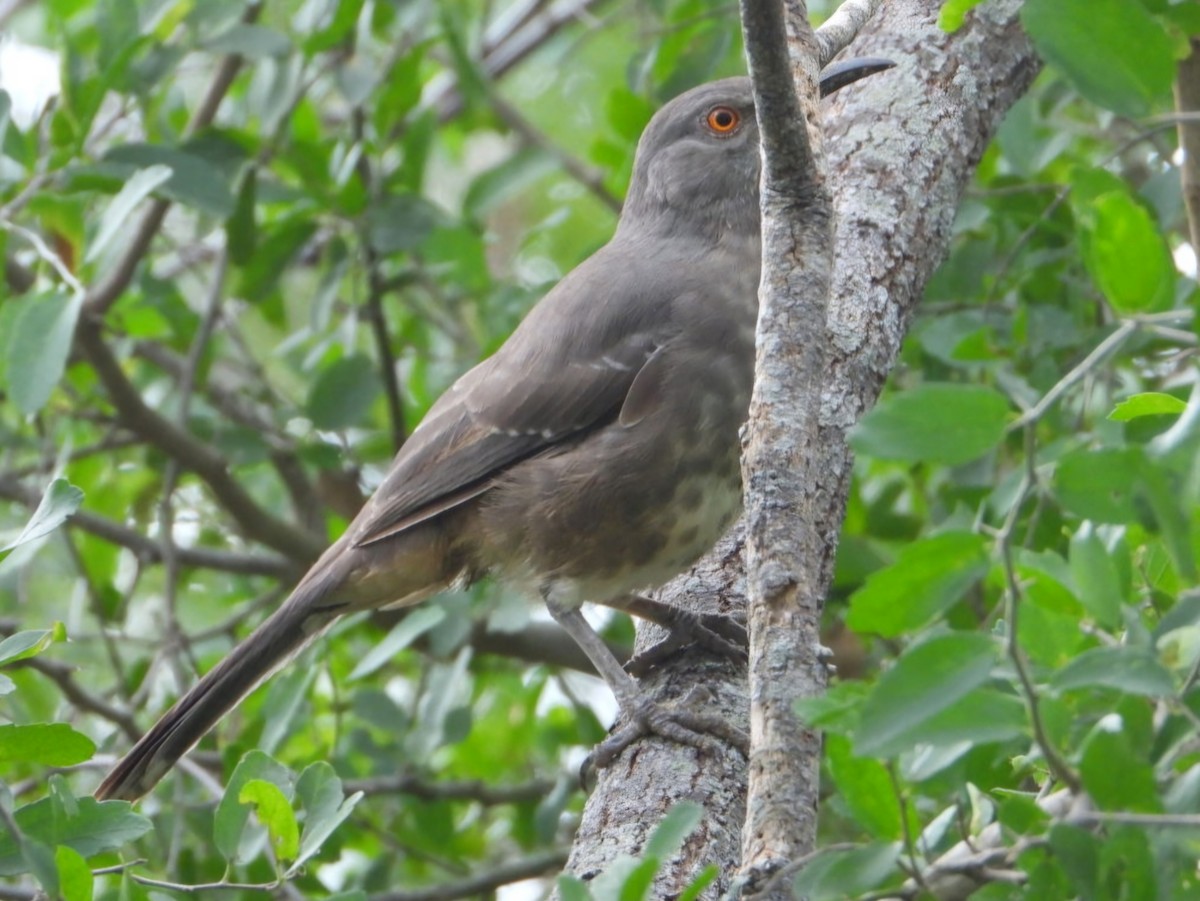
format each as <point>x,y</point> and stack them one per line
<point>685,724</point>
<point>722,635</point>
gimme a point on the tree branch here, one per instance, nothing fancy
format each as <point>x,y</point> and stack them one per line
<point>104,293</point>
<point>783,538</point>
<point>193,454</point>
<point>147,549</point>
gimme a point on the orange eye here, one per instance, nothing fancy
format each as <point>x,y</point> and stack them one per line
<point>723,120</point>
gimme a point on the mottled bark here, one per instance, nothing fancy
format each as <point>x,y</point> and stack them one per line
<point>901,148</point>
<point>783,537</point>
<point>634,794</point>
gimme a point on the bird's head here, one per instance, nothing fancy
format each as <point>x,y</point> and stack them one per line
<point>697,163</point>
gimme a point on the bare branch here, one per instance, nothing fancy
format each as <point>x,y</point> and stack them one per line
<point>149,550</point>
<point>836,32</point>
<point>783,543</point>
<point>62,675</point>
<point>197,456</point>
<point>590,178</point>
<point>105,293</point>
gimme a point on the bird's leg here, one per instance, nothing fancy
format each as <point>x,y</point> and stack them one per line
<point>723,635</point>
<point>681,724</point>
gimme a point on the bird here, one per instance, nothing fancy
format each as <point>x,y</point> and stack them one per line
<point>593,456</point>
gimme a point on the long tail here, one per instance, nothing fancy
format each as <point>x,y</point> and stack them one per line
<point>299,621</point>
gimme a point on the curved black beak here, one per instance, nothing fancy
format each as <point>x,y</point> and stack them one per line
<point>838,75</point>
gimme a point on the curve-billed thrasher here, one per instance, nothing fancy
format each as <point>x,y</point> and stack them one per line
<point>595,454</point>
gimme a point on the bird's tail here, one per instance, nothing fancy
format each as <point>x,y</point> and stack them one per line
<point>301,619</point>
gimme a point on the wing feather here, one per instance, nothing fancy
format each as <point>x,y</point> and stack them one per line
<point>567,369</point>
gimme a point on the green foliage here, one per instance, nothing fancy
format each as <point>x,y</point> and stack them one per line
<point>360,220</point>
<point>1021,573</point>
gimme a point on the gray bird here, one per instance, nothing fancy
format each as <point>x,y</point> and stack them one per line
<point>594,455</point>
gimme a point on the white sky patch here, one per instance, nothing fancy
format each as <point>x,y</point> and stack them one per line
<point>30,76</point>
<point>527,890</point>
<point>1185,259</point>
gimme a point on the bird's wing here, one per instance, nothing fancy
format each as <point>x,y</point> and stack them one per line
<point>567,368</point>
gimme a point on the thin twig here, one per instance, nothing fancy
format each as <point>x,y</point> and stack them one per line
<point>1106,347</point>
<point>63,676</point>
<point>193,453</point>
<point>148,550</point>
<point>166,507</point>
<point>836,32</point>
<point>44,251</point>
<point>376,291</point>
<point>105,293</point>
<point>590,178</point>
<point>1058,766</point>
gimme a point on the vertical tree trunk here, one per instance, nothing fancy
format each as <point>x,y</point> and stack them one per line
<point>901,148</point>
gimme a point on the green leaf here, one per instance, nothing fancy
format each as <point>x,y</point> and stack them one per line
<point>285,694</point>
<point>413,626</point>
<point>285,239</point>
<point>624,879</point>
<point>401,222</point>
<point>1099,484</point>
<point>1125,252</point>
<point>1122,59</point>
<point>1095,577</point>
<point>1128,669</point>
<point>325,806</point>
<point>229,822</point>
<point>57,505</point>
<point>342,393</point>
<point>572,889</point>
<point>866,789</point>
<point>1148,403</point>
<point>703,880</point>
<point>38,859</point>
<point>21,645</point>
<point>275,812</point>
<point>49,744</point>
<point>954,12</point>
<point>251,41</point>
<point>1076,850</point>
<point>1116,776</point>
<point>516,174</point>
<point>75,881</point>
<point>112,221</point>
<point>928,578</point>
<point>669,835</point>
<point>94,828</point>
<point>982,716</point>
<point>836,875</point>
<point>838,710</point>
<point>927,679</point>
<point>1127,860</point>
<point>241,228</point>
<point>39,346</point>
<point>194,181</point>
<point>935,422</point>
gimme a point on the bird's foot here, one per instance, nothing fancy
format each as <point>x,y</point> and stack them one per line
<point>686,724</point>
<point>827,657</point>
<point>715,632</point>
